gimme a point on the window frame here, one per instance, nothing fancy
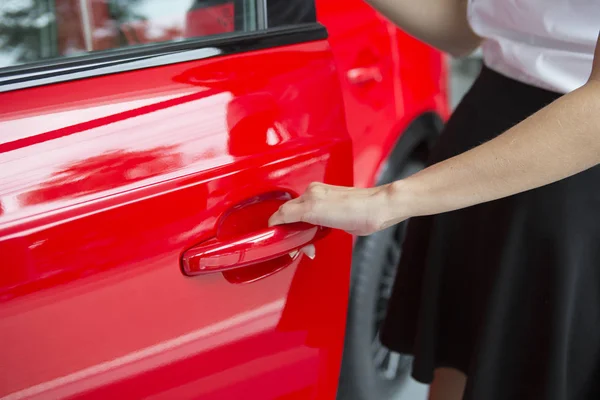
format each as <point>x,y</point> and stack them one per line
<point>125,59</point>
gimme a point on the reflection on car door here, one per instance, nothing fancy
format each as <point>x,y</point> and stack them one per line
<point>106,181</point>
<point>366,58</point>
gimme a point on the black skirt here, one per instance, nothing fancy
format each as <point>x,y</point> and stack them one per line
<point>507,292</point>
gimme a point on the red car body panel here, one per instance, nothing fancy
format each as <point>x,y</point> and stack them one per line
<point>402,80</point>
<point>105,182</point>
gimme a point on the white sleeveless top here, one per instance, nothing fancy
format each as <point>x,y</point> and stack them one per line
<point>545,43</point>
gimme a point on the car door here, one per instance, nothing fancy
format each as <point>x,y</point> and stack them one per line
<point>366,53</point>
<point>139,163</point>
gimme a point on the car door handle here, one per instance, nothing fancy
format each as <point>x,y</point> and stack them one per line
<point>362,75</point>
<point>254,248</point>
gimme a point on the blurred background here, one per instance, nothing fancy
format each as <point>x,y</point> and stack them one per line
<point>464,71</point>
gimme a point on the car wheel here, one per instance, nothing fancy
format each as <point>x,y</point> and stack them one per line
<point>369,369</point>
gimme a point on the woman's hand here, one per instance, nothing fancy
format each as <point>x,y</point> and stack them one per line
<point>357,211</point>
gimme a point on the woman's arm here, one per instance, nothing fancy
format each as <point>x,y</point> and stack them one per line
<point>440,23</point>
<point>560,140</point>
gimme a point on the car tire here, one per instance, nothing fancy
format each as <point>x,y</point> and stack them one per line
<point>369,370</point>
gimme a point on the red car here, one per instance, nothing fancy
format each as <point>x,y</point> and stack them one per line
<point>143,146</point>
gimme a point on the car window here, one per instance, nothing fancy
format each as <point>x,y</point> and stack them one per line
<point>37,30</point>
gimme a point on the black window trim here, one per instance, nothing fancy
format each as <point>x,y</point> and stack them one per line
<point>154,55</point>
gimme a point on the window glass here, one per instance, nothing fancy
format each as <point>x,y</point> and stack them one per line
<point>34,30</point>
<point>290,12</point>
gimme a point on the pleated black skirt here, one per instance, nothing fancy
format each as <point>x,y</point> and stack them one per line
<point>508,291</point>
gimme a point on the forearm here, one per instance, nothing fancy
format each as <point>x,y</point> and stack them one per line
<point>440,23</point>
<point>559,141</point>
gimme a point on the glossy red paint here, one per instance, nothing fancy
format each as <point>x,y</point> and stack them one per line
<point>278,245</point>
<point>106,182</point>
<point>388,79</point>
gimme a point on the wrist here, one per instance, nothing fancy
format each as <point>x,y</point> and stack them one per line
<point>397,203</point>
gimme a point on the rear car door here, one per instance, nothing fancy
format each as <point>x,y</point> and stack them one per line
<point>366,52</point>
<point>143,146</point>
